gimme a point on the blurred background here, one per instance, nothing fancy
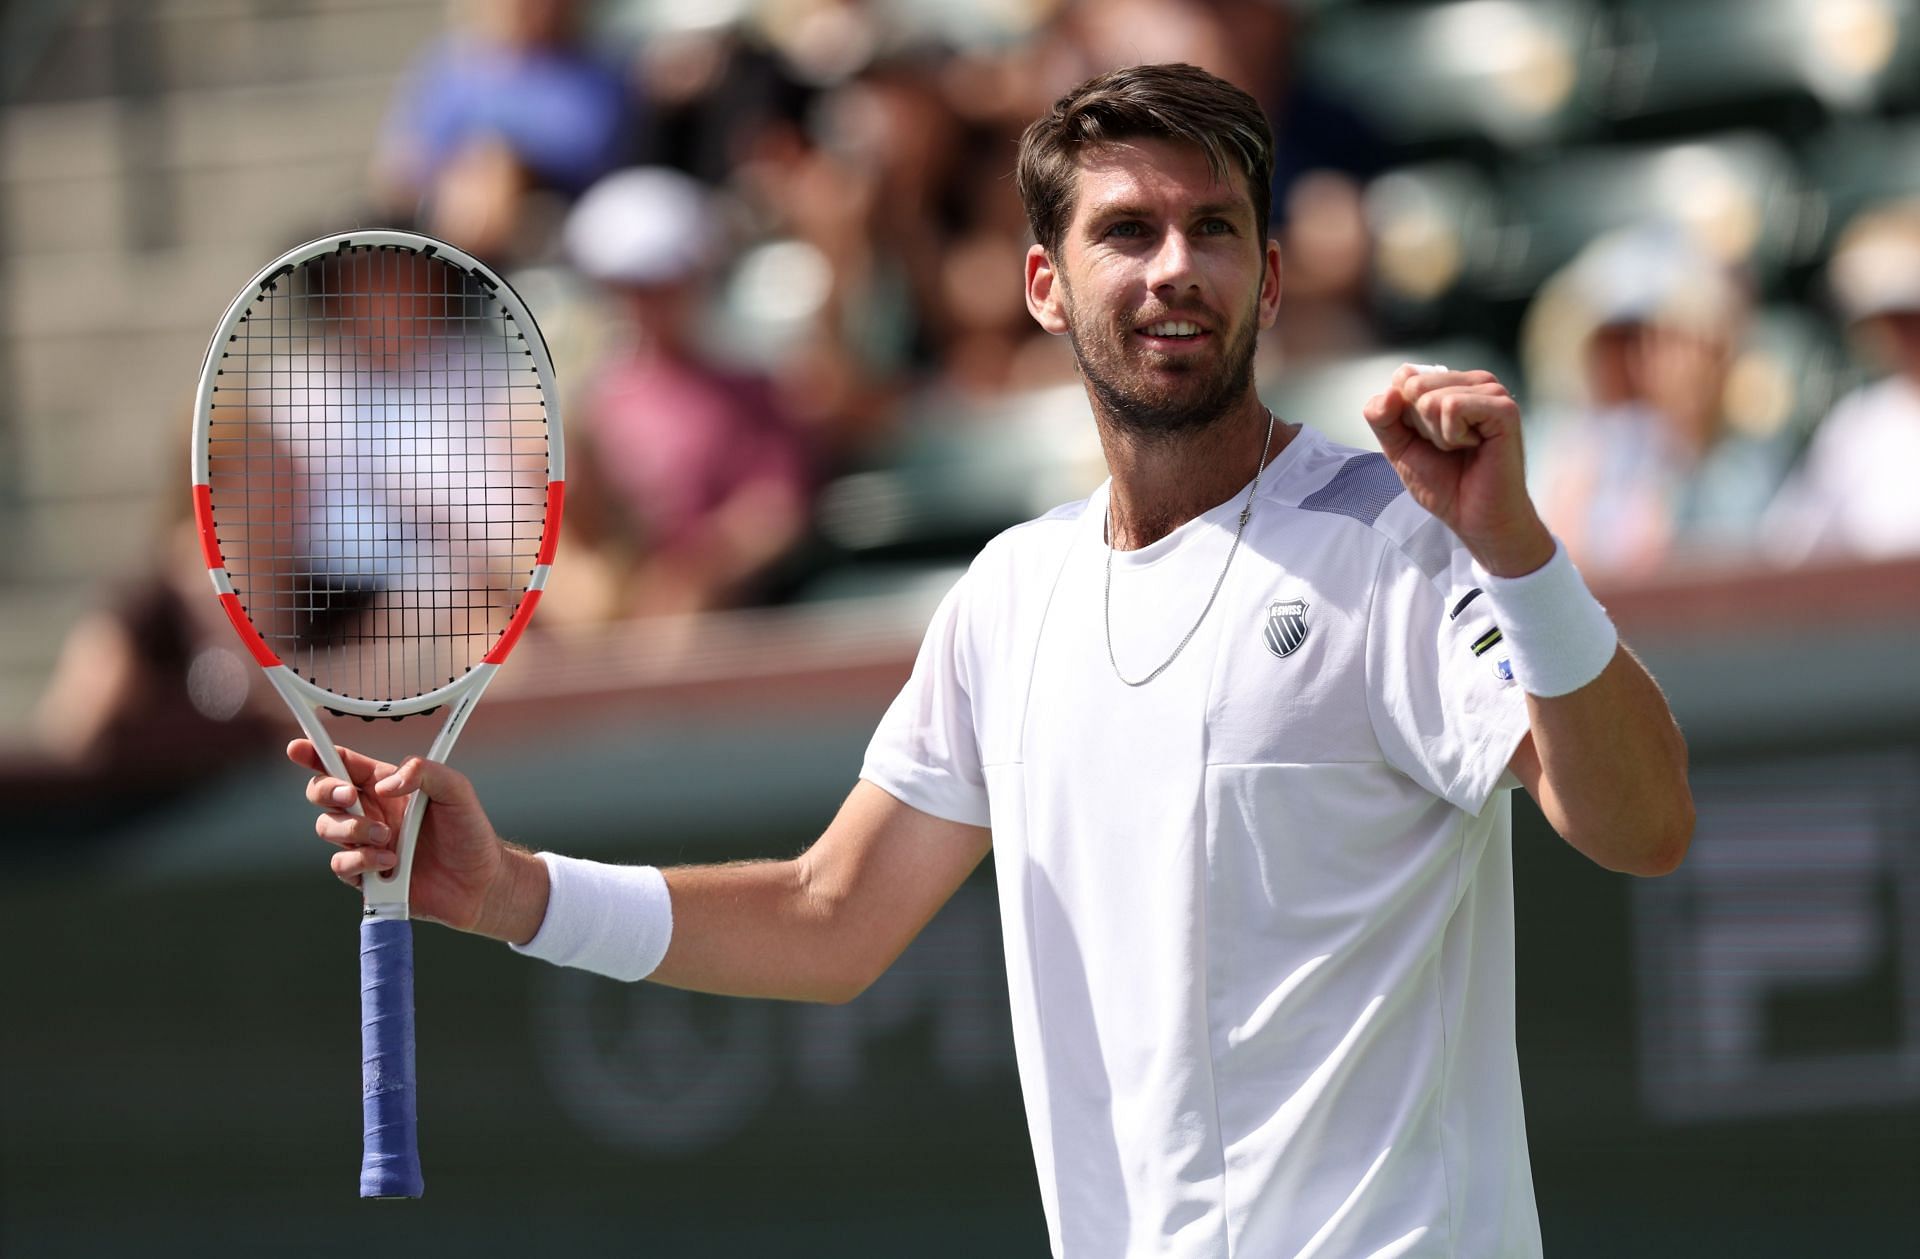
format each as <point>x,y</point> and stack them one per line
<point>775,247</point>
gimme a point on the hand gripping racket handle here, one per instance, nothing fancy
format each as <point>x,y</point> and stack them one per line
<point>390,1167</point>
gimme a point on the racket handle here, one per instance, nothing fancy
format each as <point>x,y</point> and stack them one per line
<point>390,1167</point>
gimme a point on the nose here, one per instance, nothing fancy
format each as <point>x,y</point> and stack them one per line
<point>1171,267</point>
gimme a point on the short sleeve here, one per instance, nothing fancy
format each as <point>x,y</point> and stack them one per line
<point>926,752</point>
<point>1444,706</point>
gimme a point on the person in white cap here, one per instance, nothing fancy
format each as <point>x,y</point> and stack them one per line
<point>1852,494</point>
<point>1630,347</point>
<point>1241,730</point>
<point>692,482</point>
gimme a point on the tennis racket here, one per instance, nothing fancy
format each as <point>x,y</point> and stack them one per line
<point>378,480</point>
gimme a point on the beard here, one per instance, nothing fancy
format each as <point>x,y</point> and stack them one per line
<point>1199,394</point>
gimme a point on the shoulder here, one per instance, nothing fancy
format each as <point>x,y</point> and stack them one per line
<point>1016,565</point>
<point>1043,538</point>
<point>1343,489</point>
<point>1007,580</point>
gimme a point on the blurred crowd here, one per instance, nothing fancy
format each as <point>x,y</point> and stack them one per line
<point>776,243</point>
<point>788,232</point>
<point>801,232</point>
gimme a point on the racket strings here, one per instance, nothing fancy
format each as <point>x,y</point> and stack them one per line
<point>378,458</point>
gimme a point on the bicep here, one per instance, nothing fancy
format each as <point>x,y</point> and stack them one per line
<point>884,868</point>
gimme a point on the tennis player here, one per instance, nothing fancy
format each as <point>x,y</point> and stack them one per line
<point>1241,728</point>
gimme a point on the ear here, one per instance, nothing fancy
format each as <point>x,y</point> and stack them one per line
<point>1046,292</point>
<point>1270,284</point>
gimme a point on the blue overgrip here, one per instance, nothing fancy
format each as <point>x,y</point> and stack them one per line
<point>390,1167</point>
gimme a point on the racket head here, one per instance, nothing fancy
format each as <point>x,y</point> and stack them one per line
<point>378,468</point>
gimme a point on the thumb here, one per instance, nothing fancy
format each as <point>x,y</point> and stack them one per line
<point>1384,413</point>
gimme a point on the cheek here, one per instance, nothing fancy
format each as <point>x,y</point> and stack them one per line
<point>1234,282</point>
<point>1110,281</point>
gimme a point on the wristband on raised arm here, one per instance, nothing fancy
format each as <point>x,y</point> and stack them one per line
<point>1558,636</point>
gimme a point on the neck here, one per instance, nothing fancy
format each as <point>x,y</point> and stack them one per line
<point>1162,481</point>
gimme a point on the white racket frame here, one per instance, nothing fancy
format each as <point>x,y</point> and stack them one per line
<point>385,895</point>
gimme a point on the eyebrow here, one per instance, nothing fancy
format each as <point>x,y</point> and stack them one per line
<point>1210,209</point>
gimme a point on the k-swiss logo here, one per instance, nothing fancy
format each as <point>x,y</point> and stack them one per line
<point>1286,626</point>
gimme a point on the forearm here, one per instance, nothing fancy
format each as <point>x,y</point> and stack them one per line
<point>756,929</point>
<point>748,929</point>
<point>820,927</point>
<point>1604,758</point>
<point>817,928</point>
<point>1610,770</point>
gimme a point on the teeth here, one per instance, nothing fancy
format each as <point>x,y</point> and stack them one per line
<point>1173,328</point>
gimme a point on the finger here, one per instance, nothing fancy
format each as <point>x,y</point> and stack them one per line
<point>1456,421</point>
<point>439,783</point>
<point>1451,411</point>
<point>330,793</point>
<point>1479,412</point>
<point>1434,419</point>
<point>1445,421</point>
<point>1384,410</point>
<point>1421,418</point>
<point>1432,379</point>
<point>361,769</point>
<point>1464,415</point>
<point>1416,390</point>
<point>350,831</point>
<point>1409,371</point>
<point>1385,413</point>
<point>350,864</point>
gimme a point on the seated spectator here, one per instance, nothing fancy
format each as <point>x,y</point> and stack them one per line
<point>150,697</point>
<point>1852,493</point>
<point>510,103</point>
<point>1637,459</point>
<point>687,482</point>
<point>1326,253</point>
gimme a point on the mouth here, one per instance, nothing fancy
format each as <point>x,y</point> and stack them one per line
<point>1173,334</point>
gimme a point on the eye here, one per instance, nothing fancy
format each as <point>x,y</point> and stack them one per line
<point>1126,227</point>
<point>1215,227</point>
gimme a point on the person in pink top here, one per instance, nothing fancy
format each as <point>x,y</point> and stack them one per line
<point>697,482</point>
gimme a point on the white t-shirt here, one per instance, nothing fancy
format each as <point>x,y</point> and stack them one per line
<point>1257,913</point>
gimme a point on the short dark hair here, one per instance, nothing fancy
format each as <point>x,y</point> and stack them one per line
<point>1175,102</point>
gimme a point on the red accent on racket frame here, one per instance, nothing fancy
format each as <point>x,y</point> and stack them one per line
<point>511,635</point>
<point>203,516</point>
<point>550,532</point>
<point>262,653</point>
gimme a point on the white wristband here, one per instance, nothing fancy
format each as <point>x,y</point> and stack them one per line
<point>612,920</point>
<point>1557,636</point>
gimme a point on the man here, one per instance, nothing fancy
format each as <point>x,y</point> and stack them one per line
<point>1235,728</point>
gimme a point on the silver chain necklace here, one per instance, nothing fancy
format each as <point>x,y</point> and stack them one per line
<point>1246,514</point>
